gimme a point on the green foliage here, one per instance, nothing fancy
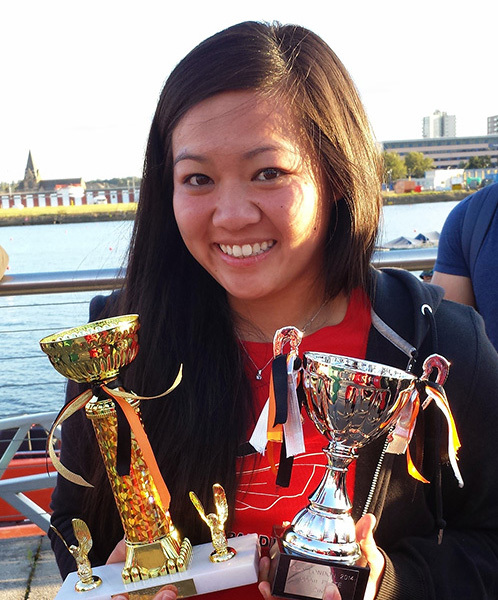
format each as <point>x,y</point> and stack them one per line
<point>115,182</point>
<point>394,167</point>
<point>417,164</point>
<point>9,187</point>
<point>478,162</point>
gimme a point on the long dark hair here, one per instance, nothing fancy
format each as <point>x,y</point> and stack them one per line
<point>184,313</point>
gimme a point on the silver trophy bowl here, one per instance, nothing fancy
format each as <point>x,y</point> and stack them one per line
<point>351,402</point>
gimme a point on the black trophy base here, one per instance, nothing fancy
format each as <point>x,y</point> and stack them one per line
<point>302,577</point>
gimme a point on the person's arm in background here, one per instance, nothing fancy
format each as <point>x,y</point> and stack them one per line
<point>456,287</point>
<point>451,270</point>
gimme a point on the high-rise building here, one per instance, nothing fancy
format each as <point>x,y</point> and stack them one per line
<point>492,124</point>
<point>439,125</point>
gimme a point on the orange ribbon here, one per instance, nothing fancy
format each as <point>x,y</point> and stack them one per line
<point>439,396</point>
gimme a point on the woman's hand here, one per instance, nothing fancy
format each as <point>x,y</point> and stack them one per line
<point>168,592</point>
<point>118,554</point>
<point>330,593</point>
<point>372,555</point>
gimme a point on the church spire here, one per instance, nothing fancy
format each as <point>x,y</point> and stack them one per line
<point>31,175</point>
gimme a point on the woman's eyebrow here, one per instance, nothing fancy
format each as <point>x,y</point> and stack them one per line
<point>261,149</point>
<point>184,155</point>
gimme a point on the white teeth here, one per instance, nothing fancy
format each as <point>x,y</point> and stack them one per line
<point>247,249</point>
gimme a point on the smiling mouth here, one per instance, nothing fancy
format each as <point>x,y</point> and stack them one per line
<point>247,249</point>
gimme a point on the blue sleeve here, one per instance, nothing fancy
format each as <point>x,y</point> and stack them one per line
<point>450,256</point>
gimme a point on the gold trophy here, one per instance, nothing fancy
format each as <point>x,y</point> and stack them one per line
<point>155,553</point>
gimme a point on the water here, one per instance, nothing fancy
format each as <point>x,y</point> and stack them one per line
<point>28,383</point>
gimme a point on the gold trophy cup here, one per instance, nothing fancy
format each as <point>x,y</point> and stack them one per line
<point>155,553</point>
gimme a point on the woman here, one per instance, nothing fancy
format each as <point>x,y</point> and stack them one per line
<point>259,209</point>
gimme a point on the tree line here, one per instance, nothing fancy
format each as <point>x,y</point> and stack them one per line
<point>415,164</point>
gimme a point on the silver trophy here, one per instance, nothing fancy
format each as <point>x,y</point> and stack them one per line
<point>351,402</point>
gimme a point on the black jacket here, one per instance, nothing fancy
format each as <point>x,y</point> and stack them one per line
<point>411,515</point>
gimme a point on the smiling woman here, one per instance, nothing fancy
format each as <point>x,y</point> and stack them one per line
<point>258,210</point>
<point>249,207</point>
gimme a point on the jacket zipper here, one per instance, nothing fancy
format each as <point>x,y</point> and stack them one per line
<point>375,478</point>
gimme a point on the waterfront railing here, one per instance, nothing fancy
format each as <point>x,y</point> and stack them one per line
<point>416,259</point>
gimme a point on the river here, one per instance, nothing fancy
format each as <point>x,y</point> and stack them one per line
<point>27,381</point>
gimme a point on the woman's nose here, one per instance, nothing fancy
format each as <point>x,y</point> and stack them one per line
<point>235,208</point>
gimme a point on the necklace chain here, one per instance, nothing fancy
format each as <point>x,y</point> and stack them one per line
<point>259,371</point>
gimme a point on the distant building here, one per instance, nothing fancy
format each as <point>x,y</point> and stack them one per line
<point>54,185</point>
<point>447,152</point>
<point>31,175</point>
<point>32,182</point>
<point>439,125</point>
<point>492,124</point>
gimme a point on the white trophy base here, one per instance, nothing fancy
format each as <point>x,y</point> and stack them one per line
<point>201,577</point>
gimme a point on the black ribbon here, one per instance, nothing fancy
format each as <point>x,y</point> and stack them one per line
<point>279,372</point>
<point>284,467</point>
<point>280,390</point>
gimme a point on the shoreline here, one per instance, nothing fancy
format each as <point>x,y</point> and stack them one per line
<point>126,212</point>
<point>51,215</point>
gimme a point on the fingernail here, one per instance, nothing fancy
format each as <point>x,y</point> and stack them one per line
<point>166,595</point>
<point>331,592</point>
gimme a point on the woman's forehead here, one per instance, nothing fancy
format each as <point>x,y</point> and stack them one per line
<point>243,119</point>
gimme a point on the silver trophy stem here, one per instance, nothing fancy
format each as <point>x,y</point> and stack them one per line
<point>325,528</point>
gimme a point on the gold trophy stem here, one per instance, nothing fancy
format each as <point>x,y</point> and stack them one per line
<point>153,544</point>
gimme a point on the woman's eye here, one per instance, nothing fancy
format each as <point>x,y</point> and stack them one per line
<point>269,174</point>
<point>197,180</point>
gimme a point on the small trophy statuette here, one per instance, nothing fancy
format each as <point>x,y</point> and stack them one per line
<point>87,581</point>
<point>216,523</point>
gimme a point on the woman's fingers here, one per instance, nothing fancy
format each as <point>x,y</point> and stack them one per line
<point>118,554</point>
<point>374,557</point>
<point>330,593</point>
<point>264,572</point>
<point>168,592</point>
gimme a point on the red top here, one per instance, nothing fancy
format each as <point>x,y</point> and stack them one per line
<point>259,503</point>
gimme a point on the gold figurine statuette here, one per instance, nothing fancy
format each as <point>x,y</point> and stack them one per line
<point>216,523</point>
<point>87,581</point>
<point>94,354</point>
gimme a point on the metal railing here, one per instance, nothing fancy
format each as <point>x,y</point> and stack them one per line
<point>13,490</point>
<point>416,259</point>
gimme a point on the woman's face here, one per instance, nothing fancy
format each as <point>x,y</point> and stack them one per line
<point>249,206</point>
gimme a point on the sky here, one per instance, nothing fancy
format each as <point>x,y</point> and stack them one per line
<point>79,81</point>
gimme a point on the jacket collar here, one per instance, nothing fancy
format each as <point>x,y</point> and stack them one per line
<point>403,309</point>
